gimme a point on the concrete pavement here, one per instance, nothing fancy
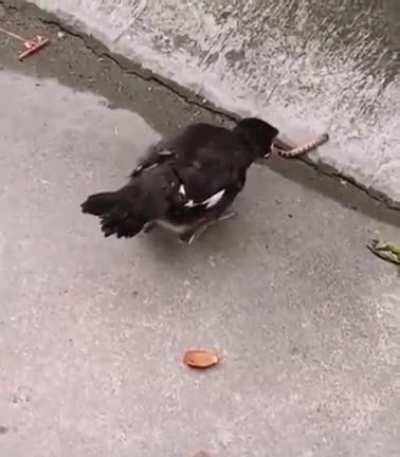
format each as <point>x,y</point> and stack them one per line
<point>92,331</point>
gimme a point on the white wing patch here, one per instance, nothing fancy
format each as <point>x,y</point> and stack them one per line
<point>141,167</point>
<point>182,190</point>
<point>191,204</point>
<point>209,202</point>
<point>214,199</point>
<point>165,152</point>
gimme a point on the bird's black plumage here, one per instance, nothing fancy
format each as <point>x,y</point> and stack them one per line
<point>185,182</point>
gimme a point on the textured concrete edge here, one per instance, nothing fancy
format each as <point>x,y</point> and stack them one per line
<point>95,41</point>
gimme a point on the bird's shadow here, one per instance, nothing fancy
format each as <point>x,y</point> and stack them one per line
<point>166,248</point>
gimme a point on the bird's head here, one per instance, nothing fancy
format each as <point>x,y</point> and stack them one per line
<point>258,134</point>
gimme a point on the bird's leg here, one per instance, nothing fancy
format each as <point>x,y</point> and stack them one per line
<point>198,229</point>
<point>149,227</point>
<point>194,233</point>
<point>226,216</point>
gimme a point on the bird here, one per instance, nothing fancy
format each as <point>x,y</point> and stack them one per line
<point>185,183</point>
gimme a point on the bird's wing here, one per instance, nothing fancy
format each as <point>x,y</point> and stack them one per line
<point>155,155</point>
<point>190,140</point>
<point>208,162</point>
<point>211,186</point>
<point>203,156</point>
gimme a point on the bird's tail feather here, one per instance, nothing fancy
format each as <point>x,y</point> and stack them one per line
<point>116,211</point>
<point>99,204</point>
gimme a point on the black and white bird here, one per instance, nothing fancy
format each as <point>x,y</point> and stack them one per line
<point>185,183</point>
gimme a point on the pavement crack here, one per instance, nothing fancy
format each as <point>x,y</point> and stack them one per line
<point>147,75</point>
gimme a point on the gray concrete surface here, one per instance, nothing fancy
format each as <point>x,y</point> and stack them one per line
<point>307,66</point>
<point>92,331</point>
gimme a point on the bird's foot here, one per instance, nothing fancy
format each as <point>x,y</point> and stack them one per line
<point>193,234</point>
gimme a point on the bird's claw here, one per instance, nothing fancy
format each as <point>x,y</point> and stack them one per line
<point>192,235</point>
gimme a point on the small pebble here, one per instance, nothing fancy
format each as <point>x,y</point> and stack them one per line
<point>60,35</point>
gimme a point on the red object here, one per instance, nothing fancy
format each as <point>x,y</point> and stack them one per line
<point>33,46</point>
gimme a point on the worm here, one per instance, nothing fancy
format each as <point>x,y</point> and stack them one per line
<point>300,150</point>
